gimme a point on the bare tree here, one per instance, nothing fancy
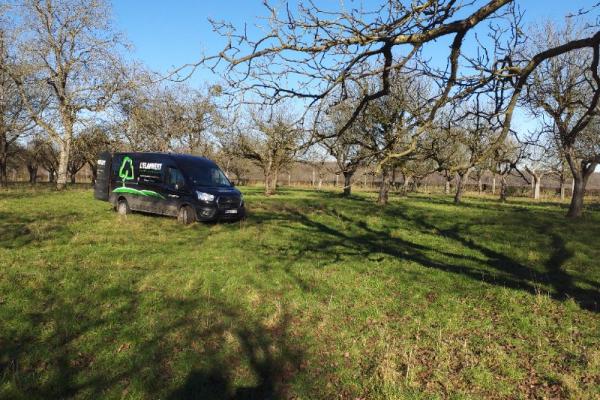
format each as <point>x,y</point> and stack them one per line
<point>14,120</point>
<point>389,124</point>
<point>85,148</point>
<point>159,117</point>
<point>559,167</point>
<point>319,56</point>
<point>72,56</point>
<point>271,143</point>
<point>318,159</point>
<point>537,166</point>
<point>31,155</point>
<point>461,143</point>
<point>565,90</point>
<point>504,161</point>
<point>414,171</point>
<point>346,148</point>
<point>200,114</point>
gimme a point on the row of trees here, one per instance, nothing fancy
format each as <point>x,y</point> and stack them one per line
<point>384,66</point>
<point>321,85</point>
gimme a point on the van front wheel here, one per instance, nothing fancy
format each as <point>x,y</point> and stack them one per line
<point>186,215</point>
<point>123,207</point>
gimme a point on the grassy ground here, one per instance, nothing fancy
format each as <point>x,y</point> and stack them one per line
<point>314,296</point>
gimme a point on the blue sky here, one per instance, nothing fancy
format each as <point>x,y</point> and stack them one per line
<point>167,34</point>
<point>171,33</point>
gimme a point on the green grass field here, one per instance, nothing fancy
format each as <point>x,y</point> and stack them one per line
<point>312,297</point>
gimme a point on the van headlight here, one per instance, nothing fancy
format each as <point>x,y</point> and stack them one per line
<point>205,196</point>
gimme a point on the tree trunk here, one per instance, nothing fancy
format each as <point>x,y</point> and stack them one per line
<point>275,176</point>
<point>347,183</point>
<point>384,187</point>
<point>581,171</point>
<point>3,172</point>
<point>562,189</point>
<point>479,186</point>
<point>63,162</point>
<point>73,177</point>
<point>503,189</point>
<point>32,170</point>
<point>494,185</point>
<point>576,207</point>
<point>537,180</point>
<point>267,183</point>
<point>94,169</point>
<point>405,184</point>
<point>447,185</point>
<point>462,179</point>
<point>3,161</point>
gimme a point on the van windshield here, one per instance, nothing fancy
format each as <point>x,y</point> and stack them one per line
<point>208,176</point>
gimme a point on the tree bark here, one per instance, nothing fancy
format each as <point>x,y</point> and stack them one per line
<point>537,181</point>
<point>275,176</point>
<point>3,171</point>
<point>347,183</point>
<point>562,189</point>
<point>494,185</point>
<point>267,182</point>
<point>479,186</point>
<point>3,160</point>
<point>32,170</point>
<point>63,163</point>
<point>503,189</point>
<point>581,171</point>
<point>462,179</point>
<point>94,169</point>
<point>447,185</point>
<point>406,184</point>
<point>384,187</point>
<point>580,180</point>
<point>576,206</point>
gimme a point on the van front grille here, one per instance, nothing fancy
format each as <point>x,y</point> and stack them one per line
<point>228,202</point>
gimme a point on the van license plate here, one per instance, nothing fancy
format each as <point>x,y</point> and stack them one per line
<point>230,211</point>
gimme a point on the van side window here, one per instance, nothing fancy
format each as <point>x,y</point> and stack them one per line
<point>174,177</point>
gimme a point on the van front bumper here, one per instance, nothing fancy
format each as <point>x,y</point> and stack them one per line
<point>213,213</point>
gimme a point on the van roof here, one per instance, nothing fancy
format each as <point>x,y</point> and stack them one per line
<point>172,156</point>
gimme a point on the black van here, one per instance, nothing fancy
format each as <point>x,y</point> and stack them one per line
<point>188,187</point>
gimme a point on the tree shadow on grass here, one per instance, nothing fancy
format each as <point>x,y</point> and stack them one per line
<point>272,360</point>
<point>487,265</point>
<point>19,230</point>
<point>59,356</point>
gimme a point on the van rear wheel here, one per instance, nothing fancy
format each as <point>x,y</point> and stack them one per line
<point>186,215</point>
<point>123,207</point>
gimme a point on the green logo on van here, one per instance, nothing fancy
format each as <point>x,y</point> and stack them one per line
<point>126,170</point>
<point>126,174</point>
